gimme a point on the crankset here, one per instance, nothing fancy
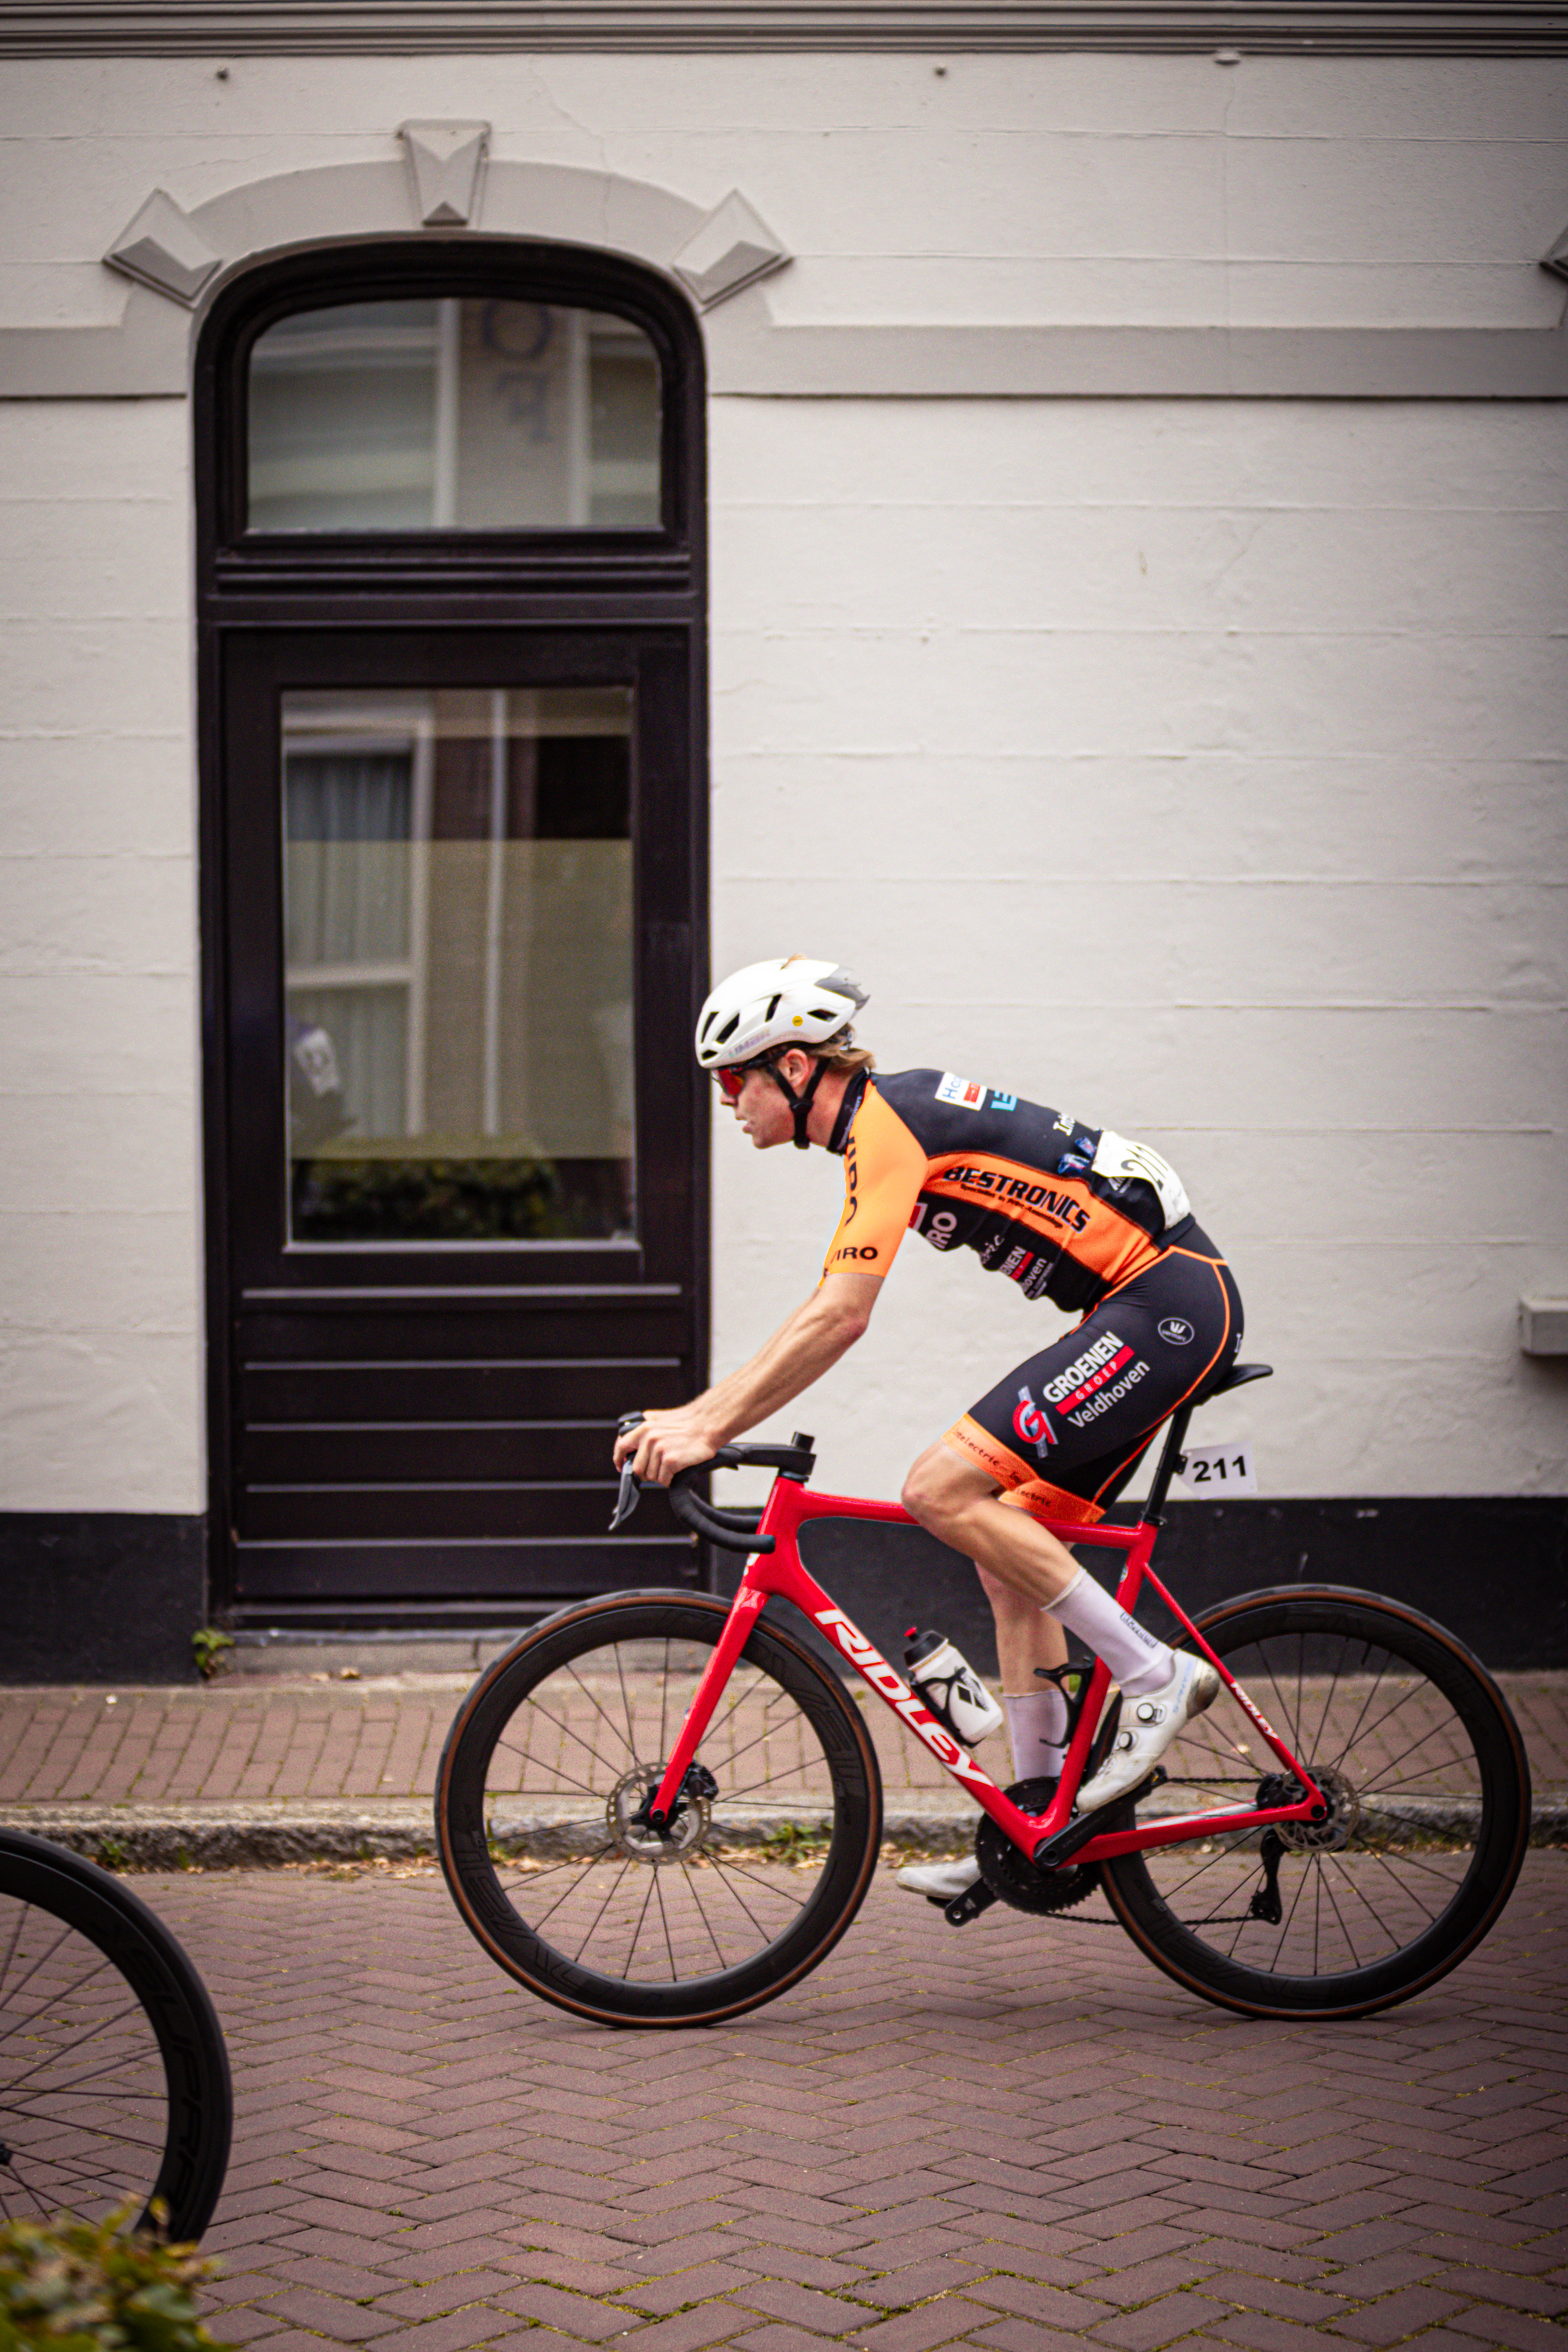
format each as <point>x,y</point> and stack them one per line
<point>1013,1877</point>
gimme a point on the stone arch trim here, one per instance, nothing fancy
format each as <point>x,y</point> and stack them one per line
<point>748,351</point>
<point>151,351</point>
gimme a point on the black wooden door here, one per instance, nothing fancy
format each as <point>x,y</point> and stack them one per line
<point>459,1212</point>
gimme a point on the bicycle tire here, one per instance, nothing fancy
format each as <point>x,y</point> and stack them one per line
<point>1409,1737</point>
<point>536,1873</point>
<point>103,2102</point>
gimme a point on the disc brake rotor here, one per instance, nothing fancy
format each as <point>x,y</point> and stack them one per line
<point>635,1839</point>
<point>1339,1793</point>
<point>1011,1876</point>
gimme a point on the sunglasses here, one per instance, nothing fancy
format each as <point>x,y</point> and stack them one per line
<point>732,1076</point>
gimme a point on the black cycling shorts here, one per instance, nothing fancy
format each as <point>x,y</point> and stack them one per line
<point>1063,1433</point>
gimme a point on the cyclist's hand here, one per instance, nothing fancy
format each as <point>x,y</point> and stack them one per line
<point>665,1442</point>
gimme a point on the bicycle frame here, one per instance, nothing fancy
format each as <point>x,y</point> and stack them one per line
<point>791,1505</point>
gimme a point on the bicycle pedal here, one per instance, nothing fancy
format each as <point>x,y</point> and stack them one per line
<point>968,1905</point>
<point>1051,1852</point>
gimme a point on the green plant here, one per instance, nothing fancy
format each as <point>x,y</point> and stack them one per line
<point>113,1853</point>
<point>97,2286</point>
<point>210,1646</point>
<point>798,1842</point>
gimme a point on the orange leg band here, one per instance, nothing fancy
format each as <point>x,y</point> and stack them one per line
<point>1023,1491</point>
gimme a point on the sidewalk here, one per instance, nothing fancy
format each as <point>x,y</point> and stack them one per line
<point>269,1766</point>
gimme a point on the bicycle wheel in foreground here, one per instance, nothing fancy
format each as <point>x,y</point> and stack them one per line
<point>1415,1747</point>
<point>560,1743</point>
<point>114,2084</point>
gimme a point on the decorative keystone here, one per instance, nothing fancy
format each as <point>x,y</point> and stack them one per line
<point>444,163</point>
<point>164,248</point>
<point>732,249</point>
<point>1557,259</point>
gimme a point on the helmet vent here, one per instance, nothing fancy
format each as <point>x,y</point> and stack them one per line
<point>729,1030</point>
<point>773,1008</point>
<point>708,1025</point>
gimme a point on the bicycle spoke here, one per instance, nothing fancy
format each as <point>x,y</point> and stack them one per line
<point>664,1701</point>
<point>630,1738</point>
<point>1326,1884</point>
<point>110,2065</point>
<point>591,1864</point>
<point>547,1870</point>
<point>664,1921</point>
<point>625,1702</point>
<point>614,1889</point>
<point>737,1896</point>
<point>642,1915</point>
<point>694,1893</point>
<point>555,1771</point>
<point>566,1729</point>
<point>726,1869</point>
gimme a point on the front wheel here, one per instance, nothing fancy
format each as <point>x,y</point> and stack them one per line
<point>553,1757</point>
<point>1415,1747</point>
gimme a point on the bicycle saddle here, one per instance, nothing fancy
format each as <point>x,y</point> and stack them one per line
<point>1238,1378</point>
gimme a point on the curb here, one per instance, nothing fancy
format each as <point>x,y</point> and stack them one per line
<point>266,1835</point>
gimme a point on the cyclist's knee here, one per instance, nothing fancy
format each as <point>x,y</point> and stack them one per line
<point>938,1489</point>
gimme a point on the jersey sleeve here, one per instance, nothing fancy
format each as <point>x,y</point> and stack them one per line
<point>883,1169</point>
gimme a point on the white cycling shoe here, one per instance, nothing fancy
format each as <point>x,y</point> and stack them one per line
<point>939,1882</point>
<point>1149,1724</point>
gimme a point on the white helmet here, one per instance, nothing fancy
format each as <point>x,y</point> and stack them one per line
<point>790,1001</point>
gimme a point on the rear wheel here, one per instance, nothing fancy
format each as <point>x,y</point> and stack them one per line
<point>553,1755</point>
<point>114,2085</point>
<point>1415,1747</point>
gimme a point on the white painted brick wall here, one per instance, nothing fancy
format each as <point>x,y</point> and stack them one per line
<point>102,1399</point>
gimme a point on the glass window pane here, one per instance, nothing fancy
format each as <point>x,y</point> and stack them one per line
<point>457,974</point>
<point>453,415</point>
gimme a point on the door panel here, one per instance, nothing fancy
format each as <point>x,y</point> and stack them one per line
<point>460,1157</point>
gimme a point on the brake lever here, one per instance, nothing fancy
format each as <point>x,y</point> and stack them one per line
<point>631,1484</point>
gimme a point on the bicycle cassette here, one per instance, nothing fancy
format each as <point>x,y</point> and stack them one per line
<point>1011,1876</point>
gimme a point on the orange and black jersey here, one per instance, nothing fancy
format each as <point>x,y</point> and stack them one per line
<point>1067,1210</point>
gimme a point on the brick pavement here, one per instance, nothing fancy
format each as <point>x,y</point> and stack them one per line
<point>1016,2138</point>
<point>288,1740</point>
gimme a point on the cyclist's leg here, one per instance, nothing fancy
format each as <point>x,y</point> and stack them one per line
<point>1129,1364</point>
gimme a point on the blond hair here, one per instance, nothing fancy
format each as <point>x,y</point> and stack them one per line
<point>845,1058</point>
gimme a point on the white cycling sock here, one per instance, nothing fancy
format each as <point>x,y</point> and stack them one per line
<point>1138,1659</point>
<point>1036,1730</point>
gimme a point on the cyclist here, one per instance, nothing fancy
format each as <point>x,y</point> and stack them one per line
<point>1070,1212</point>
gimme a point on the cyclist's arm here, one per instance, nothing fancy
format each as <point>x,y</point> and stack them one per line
<point>805,1347</point>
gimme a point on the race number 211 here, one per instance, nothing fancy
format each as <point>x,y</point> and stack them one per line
<point>1219,1470</point>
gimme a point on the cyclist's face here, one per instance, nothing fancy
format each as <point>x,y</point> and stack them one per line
<point>763,1114</point>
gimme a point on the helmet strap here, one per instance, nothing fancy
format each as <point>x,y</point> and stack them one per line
<point>800,1104</point>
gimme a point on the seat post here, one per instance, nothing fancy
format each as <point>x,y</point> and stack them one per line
<point>1154,1508</point>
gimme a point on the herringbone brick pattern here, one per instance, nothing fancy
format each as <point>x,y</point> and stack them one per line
<point>1018,2136</point>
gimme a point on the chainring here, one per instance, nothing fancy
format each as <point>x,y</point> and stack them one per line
<point>1011,1876</point>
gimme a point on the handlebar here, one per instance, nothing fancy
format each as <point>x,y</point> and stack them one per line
<point>731,1531</point>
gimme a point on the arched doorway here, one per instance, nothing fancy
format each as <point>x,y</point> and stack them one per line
<point>452,596</point>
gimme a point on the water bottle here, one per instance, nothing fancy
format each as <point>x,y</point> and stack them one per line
<point>948,1685</point>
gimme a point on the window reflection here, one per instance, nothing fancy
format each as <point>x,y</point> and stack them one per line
<point>455,414</point>
<point>457,897</point>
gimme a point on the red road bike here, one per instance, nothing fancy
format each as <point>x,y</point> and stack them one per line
<point>665,1809</point>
